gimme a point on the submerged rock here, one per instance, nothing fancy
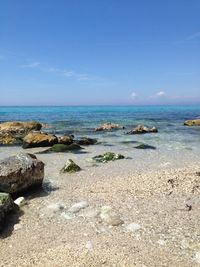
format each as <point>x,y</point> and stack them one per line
<point>19,128</point>
<point>62,148</point>
<point>6,206</point>
<point>145,146</point>
<point>192,122</point>
<point>20,172</point>
<point>70,167</point>
<point>85,141</point>
<point>108,156</point>
<point>78,206</point>
<point>38,139</point>
<point>66,139</point>
<point>141,129</point>
<point>109,127</point>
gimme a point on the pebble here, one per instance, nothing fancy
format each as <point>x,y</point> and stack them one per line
<point>133,227</point>
<point>20,201</point>
<point>78,206</point>
<point>67,215</point>
<point>197,257</point>
<point>17,227</point>
<point>89,245</point>
<point>110,217</point>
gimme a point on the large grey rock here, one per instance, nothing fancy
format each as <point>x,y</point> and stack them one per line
<point>20,172</point>
<point>6,206</point>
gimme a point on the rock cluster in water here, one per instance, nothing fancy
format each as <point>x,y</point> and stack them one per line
<point>108,156</point>
<point>109,127</point>
<point>192,122</point>
<point>141,129</point>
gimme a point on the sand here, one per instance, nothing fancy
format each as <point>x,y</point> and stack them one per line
<point>160,208</point>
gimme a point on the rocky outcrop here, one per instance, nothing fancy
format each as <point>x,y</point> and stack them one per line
<point>8,139</point>
<point>6,206</point>
<point>192,122</point>
<point>108,156</point>
<point>66,139</point>
<point>145,146</point>
<point>38,139</point>
<point>19,128</point>
<point>70,167</point>
<point>85,141</point>
<point>20,172</point>
<point>109,127</point>
<point>62,148</point>
<point>141,129</point>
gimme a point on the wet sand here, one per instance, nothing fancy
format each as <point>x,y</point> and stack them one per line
<point>159,203</point>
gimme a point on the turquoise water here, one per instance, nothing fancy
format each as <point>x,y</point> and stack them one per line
<point>176,145</point>
<point>81,120</point>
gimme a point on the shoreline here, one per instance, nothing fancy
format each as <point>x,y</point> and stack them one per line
<point>165,232</point>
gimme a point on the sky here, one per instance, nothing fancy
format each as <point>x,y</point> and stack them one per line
<point>99,52</point>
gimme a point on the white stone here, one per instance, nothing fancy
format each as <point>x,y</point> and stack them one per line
<point>89,245</point>
<point>197,257</point>
<point>67,215</point>
<point>133,227</point>
<point>78,206</point>
<point>17,227</point>
<point>161,242</point>
<point>20,201</point>
<point>110,217</point>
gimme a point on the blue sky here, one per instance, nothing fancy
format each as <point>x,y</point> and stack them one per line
<point>71,52</point>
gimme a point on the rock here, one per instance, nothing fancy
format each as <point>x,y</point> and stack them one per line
<point>63,148</point>
<point>38,139</point>
<point>66,139</point>
<point>78,206</point>
<point>145,146</point>
<point>70,167</point>
<point>192,122</point>
<point>8,139</point>
<point>133,227</point>
<point>108,156</point>
<point>6,206</point>
<point>20,201</point>
<point>141,129</point>
<point>19,128</point>
<point>110,217</point>
<point>109,127</point>
<point>85,141</point>
<point>20,172</point>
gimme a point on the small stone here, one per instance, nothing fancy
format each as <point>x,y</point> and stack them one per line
<point>110,217</point>
<point>133,227</point>
<point>17,227</point>
<point>161,242</point>
<point>89,245</point>
<point>197,257</point>
<point>20,201</point>
<point>70,167</point>
<point>67,215</point>
<point>78,206</point>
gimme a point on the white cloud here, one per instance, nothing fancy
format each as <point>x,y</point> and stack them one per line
<point>31,65</point>
<point>194,36</point>
<point>62,72</point>
<point>160,94</point>
<point>134,95</point>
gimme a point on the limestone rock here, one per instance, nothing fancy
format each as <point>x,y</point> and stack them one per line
<point>85,141</point>
<point>70,167</point>
<point>38,139</point>
<point>109,127</point>
<point>20,172</point>
<point>192,122</point>
<point>6,206</point>
<point>19,128</point>
<point>108,156</point>
<point>63,148</point>
<point>66,139</point>
<point>141,129</point>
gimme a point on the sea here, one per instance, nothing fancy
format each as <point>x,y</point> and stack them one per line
<point>174,141</point>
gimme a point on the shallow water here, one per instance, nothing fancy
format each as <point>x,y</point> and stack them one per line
<point>175,143</point>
